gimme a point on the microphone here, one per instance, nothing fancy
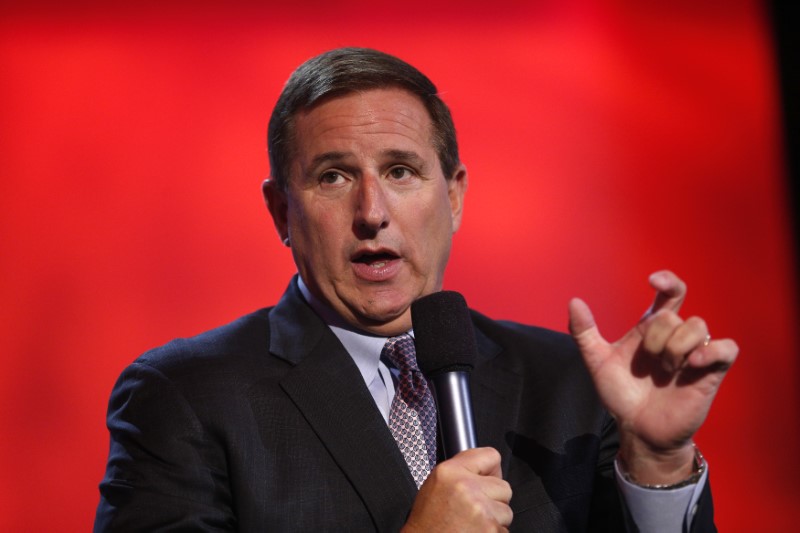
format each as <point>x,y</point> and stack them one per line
<point>446,353</point>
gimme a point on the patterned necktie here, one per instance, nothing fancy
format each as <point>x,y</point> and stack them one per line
<point>412,417</point>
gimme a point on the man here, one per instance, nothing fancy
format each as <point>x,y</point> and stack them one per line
<point>287,419</point>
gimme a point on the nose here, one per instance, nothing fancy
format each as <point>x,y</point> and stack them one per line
<point>372,213</point>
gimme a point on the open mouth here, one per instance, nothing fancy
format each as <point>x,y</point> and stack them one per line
<point>377,260</point>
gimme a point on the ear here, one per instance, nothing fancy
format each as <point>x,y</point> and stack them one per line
<point>456,190</point>
<point>275,198</point>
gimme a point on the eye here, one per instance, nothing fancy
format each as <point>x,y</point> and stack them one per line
<point>399,173</point>
<point>331,177</point>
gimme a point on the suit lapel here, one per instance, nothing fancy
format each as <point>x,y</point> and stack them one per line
<point>495,398</point>
<point>328,390</point>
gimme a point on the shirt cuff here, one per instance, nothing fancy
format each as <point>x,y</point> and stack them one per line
<point>659,509</point>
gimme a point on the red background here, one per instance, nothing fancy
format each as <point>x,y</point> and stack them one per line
<point>604,139</point>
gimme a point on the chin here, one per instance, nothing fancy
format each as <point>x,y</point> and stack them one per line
<point>378,320</point>
<point>385,316</point>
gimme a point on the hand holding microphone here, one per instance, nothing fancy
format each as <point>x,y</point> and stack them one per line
<point>466,492</point>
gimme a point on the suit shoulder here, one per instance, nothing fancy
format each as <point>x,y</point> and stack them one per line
<point>243,339</point>
<point>507,332</point>
<point>522,345</point>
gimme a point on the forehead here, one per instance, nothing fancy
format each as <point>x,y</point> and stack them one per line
<point>389,115</point>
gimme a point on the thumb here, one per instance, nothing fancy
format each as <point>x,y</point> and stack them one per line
<point>584,330</point>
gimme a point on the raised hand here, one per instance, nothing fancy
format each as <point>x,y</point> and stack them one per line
<point>658,380</point>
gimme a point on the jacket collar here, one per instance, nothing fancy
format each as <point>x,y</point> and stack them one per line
<point>328,390</point>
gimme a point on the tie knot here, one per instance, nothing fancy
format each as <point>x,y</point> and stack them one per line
<point>401,352</point>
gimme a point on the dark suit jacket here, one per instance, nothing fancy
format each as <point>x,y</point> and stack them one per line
<point>265,424</point>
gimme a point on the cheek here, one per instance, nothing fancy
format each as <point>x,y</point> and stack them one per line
<point>303,218</point>
<point>319,230</point>
<point>435,230</point>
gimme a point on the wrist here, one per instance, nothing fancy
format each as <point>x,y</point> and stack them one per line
<point>667,472</point>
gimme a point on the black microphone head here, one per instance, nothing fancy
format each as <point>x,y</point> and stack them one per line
<point>443,334</point>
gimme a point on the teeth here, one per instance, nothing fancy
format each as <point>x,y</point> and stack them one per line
<point>379,264</point>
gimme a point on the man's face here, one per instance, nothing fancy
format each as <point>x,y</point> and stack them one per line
<point>368,212</point>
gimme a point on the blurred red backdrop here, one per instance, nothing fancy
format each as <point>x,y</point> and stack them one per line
<point>604,140</point>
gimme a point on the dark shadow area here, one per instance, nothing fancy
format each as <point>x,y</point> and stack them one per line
<point>785,22</point>
<point>561,473</point>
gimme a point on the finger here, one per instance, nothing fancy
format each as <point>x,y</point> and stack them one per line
<point>496,489</point>
<point>586,334</point>
<point>670,292</point>
<point>481,461</point>
<point>581,319</point>
<point>502,514</point>
<point>656,332</point>
<point>687,337</point>
<point>721,353</point>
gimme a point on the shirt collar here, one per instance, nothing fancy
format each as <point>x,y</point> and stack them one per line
<point>363,347</point>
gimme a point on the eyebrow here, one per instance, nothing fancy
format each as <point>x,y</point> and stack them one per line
<point>407,156</point>
<point>327,157</point>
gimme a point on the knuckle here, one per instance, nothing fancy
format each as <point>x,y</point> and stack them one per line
<point>442,472</point>
<point>462,489</point>
<point>665,318</point>
<point>493,454</point>
<point>697,322</point>
<point>672,345</point>
<point>477,511</point>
